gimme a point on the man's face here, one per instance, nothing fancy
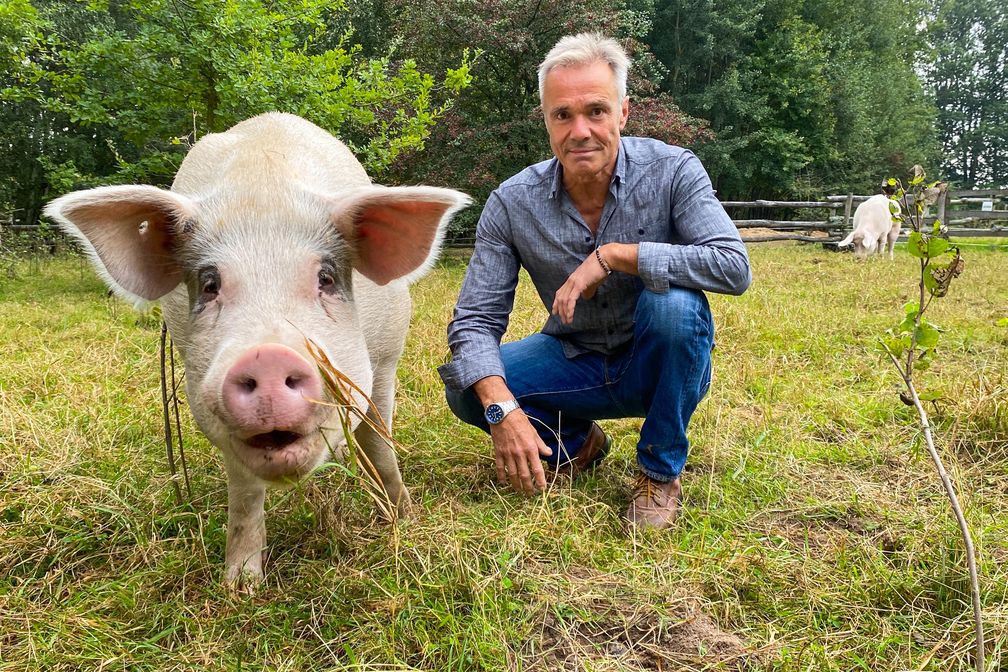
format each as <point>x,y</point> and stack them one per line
<point>584,116</point>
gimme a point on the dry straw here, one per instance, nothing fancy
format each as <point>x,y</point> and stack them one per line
<point>341,389</point>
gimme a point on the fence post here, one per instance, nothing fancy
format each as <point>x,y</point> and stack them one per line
<point>942,200</point>
<point>846,211</point>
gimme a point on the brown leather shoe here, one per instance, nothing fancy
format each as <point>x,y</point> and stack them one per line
<point>595,447</point>
<point>653,504</point>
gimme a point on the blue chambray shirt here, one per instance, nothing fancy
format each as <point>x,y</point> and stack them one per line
<point>660,197</point>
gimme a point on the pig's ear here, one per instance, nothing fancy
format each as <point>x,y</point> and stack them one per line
<point>130,233</point>
<point>396,231</point>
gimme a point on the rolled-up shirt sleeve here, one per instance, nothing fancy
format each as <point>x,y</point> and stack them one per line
<point>709,254</point>
<point>485,302</point>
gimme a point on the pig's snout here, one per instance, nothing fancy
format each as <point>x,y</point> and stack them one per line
<point>268,393</point>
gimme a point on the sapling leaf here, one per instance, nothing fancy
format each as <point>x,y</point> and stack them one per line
<point>938,279</point>
<point>917,245</point>
<point>930,395</point>
<point>897,345</point>
<point>931,283</point>
<point>911,308</point>
<point>927,335</point>
<point>936,247</point>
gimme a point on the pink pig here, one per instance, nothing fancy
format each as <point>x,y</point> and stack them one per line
<point>272,233</point>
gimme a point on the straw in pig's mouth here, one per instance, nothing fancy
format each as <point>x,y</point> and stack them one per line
<point>275,440</point>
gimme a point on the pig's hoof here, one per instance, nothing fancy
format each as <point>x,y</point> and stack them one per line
<point>403,507</point>
<point>242,580</point>
<point>393,508</point>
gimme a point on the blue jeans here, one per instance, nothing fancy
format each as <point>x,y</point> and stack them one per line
<point>661,376</point>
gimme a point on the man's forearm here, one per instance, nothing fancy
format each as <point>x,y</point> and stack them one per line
<point>621,257</point>
<point>491,389</point>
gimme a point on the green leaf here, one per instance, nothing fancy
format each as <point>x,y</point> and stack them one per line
<point>911,308</point>
<point>931,283</point>
<point>1003,322</point>
<point>936,247</point>
<point>897,345</point>
<point>930,395</point>
<point>927,335</point>
<point>917,245</point>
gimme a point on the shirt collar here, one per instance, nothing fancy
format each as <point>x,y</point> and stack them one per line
<point>617,177</point>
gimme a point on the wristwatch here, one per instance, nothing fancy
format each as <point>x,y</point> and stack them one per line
<point>496,411</point>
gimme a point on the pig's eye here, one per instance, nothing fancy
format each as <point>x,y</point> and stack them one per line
<point>209,282</point>
<point>327,280</point>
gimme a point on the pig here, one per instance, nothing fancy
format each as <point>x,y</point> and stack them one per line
<point>272,233</point>
<point>876,224</point>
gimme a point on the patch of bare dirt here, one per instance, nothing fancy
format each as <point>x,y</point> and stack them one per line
<point>627,638</point>
<point>822,532</point>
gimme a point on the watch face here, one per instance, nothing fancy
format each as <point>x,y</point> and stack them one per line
<point>494,414</point>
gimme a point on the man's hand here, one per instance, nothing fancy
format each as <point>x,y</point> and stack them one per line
<point>518,449</point>
<point>587,277</point>
<point>517,445</point>
<point>583,282</point>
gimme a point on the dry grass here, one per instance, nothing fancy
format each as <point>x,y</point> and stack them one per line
<point>815,533</point>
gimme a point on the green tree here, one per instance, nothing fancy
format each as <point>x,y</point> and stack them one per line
<point>969,78</point>
<point>147,79</point>
<point>884,119</point>
<point>497,129</point>
<point>804,97</point>
<point>39,159</point>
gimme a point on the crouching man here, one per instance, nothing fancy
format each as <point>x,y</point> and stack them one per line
<point>621,236</point>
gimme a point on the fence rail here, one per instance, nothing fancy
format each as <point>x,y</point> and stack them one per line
<point>957,209</point>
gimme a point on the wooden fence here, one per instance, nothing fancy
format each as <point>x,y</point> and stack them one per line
<point>974,212</point>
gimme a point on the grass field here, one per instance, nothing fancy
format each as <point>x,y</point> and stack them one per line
<point>815,533</point>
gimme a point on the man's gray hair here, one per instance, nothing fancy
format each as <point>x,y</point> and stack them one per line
<point>585,49</point>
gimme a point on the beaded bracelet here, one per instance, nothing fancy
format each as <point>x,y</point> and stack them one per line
<point>602,262</point>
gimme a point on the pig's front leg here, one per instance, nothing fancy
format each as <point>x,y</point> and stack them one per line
<point>378,451</point>
<point>246,531</point>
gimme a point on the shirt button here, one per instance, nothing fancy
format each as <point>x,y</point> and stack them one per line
<point>640,231</point>
<point>605,305</point>
<point>609,331</point>
<point>587,239</point>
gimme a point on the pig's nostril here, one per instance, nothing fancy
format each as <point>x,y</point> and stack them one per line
<point>248,384</point>
<point>293,382</point>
